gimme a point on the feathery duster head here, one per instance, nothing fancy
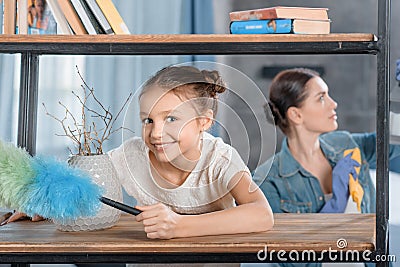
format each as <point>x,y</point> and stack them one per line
<point>45,186</point>
<point>61,192</point>
<point>16,175</point>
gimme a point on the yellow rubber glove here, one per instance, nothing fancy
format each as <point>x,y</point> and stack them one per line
<point>355,188</point>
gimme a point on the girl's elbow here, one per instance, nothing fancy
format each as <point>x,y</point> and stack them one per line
<point>267,222</point>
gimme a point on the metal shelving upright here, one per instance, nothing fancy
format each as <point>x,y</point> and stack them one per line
<point>31,47</point>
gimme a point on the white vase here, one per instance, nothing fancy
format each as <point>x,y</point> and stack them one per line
<point>103,174</point>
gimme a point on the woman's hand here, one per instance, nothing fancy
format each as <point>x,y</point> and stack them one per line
<point>159,221</point>
<point>341,172</point>
<point>12,217</point>
<point>340,185</point>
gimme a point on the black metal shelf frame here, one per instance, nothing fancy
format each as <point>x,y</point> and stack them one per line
<point>30,66</point>
<point>143,257</point>
<point>382,131</point>
<point>193,48</point>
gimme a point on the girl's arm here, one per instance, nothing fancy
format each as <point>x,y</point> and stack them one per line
<point>253,214</point>
<point>16,216</point>
<point>263,177</point>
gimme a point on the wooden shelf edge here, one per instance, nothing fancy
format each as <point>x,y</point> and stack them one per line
<point>190,38</point>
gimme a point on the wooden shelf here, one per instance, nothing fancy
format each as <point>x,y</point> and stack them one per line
<point>187,38</point>
<point>128,242</point>
<point>183,44</point>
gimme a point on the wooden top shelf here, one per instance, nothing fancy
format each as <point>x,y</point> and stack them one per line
<point>189,38</point>
<point>165,44</point>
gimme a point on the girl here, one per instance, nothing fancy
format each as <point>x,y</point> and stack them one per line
<point>183,177</point>
<point>301,177</point>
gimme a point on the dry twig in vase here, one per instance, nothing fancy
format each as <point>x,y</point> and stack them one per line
<point>85,133</point>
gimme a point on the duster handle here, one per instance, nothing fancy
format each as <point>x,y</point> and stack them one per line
<point>120,206</point>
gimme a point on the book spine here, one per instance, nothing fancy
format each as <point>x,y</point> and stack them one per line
<point>83,16</point>
<point>22,13</point>
<point>99,16</point>
<point>40,19</point>
<point>261,26</point>
<point>253,15</point>
<point>9,16</point>
<point>92,18</point>
<point>72,17</point>
<point>280,13</point>
<point>62,22</point>
<point>113,17</point>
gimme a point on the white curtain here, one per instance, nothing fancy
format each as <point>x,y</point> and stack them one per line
<point>6,91</point>
<point>7,96</point>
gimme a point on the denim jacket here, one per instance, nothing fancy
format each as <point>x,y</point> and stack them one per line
<point>290,188</point>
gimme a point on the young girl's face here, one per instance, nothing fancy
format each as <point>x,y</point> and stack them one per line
<point>171,127</point>
<point>319,109</point>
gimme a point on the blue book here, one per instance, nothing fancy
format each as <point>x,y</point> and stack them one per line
<point>300,26</point>
<point>261,26</point>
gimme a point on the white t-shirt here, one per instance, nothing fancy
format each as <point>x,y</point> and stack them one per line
<point>204,190</point>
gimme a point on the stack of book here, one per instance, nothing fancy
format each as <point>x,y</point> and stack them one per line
<point>62,17</point>
<point>280,19</point>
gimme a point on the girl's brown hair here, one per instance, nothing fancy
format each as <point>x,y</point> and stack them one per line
<point>190,82</point>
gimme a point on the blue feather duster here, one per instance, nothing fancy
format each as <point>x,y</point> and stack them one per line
<point>45,186</point>
<point>16,175</point>
<point>62,191</point>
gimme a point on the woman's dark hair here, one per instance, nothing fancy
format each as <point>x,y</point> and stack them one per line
<point>201,85</point>
<point>287,90</point>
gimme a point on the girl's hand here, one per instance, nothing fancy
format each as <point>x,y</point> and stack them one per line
<point>20,216</point>
<point>159,221</point>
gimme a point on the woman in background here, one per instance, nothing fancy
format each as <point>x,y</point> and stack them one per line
<point>311,171</point>
<point>318,169</point>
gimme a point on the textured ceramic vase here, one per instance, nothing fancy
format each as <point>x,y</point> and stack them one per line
<point>103,173</point>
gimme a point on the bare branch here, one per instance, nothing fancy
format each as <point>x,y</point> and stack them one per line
<point>108,131</point>
<point>87,136</point>
<point>121,128</point>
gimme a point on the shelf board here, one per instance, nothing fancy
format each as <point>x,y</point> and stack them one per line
<point>126,241</point>
<point>187,44</point>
